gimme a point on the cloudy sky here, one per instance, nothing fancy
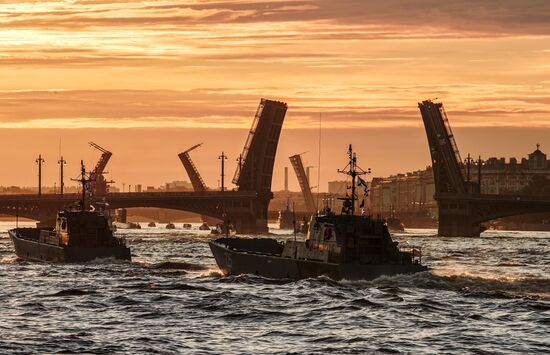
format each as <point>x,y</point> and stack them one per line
<point>132,74</point>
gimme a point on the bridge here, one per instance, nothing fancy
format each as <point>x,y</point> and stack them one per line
<point>246,208</point>
<point>462,206</point>
<point>238,207</point>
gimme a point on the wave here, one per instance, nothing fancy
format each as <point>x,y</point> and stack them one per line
<point>108,260</point>
<point>8,259</point>
<point>511,264</point>
<point>70,292</point>
<point>178,265</point>
<point>212,272</point>
<point>253,279</point>
<point>179,287</point>
<point>473,285</point>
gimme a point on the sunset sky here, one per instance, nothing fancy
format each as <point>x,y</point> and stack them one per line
<point>148,79</point>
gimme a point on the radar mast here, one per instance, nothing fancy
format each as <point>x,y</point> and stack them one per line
<point>353,170</point>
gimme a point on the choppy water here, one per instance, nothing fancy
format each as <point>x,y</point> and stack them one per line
<point>483,295</point>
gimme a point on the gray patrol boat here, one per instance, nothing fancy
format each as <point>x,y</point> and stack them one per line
<point>80,235</point>
<point>340,246</point>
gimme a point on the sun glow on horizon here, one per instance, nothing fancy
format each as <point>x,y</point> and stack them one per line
<point>69,66</point>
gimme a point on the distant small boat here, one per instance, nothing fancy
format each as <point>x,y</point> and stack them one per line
<point>204,227</point>
<point>286,217</point>
<point>152,224</point>
<point>170,226</point>
<point>128,225</point>
<point>187,226</point>
<point>395,224</point>
<point>223,229</point>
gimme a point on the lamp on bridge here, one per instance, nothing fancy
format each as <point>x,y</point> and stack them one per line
<point>223,158</point>
<point>61,163</point>
<point>468,161</point>
<point>479,165</point>
<point>39,161</point>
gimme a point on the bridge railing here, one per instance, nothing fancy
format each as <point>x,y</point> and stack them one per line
<point>500,197</point>
<point>166,194</point>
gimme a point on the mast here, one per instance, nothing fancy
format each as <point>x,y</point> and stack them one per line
<point>83,182</point>
<point>355,172</point>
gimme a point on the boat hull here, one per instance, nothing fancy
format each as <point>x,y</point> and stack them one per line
<point>235,262</point>
<point>35,251</point>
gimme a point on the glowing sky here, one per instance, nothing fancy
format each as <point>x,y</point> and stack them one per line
<point>205,65</point>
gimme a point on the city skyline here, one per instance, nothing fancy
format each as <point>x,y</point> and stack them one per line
<point>369,154</point>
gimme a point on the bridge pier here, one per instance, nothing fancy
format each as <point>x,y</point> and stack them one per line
<point>456,220</point>
<point>249,224</point>
<point>254,219</point>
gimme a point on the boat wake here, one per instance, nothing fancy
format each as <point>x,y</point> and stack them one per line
<point>471,285</point>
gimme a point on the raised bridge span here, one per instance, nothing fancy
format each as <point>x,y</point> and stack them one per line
<point>246,208</point>
<point>462,208</point>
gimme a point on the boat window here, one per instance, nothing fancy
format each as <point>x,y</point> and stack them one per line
<point>64,225</point>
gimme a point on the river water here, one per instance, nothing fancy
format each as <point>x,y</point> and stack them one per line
<point>483,295</point>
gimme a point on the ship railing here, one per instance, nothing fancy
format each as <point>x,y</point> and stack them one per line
<point>414,251</point>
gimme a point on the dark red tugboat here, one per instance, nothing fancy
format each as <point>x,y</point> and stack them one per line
<point>340,246</point>
<point>80,235</point>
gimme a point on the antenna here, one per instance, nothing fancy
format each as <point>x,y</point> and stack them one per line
<point>319,165</point>
<point>294,228</point>
<point>84,182</point>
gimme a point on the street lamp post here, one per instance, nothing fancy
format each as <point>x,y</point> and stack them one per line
<point>61,163</point>
<point>223,158</point>
<point>479,163</point>
<point>468,162</point>
<point>39,161</point>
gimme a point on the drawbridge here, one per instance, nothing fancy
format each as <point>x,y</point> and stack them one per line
<point>192,171</point>
<point>297,164</point>
<point>462,207</point>
<point>196,179</point>
<point>99,184</point>
<point>245,208</point>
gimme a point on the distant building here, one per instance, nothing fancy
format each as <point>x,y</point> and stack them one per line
<point>403,193</point>
<point>338,188</point>
<point>179,186</point>
<point>410,191</point>
<point>501,177</point>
